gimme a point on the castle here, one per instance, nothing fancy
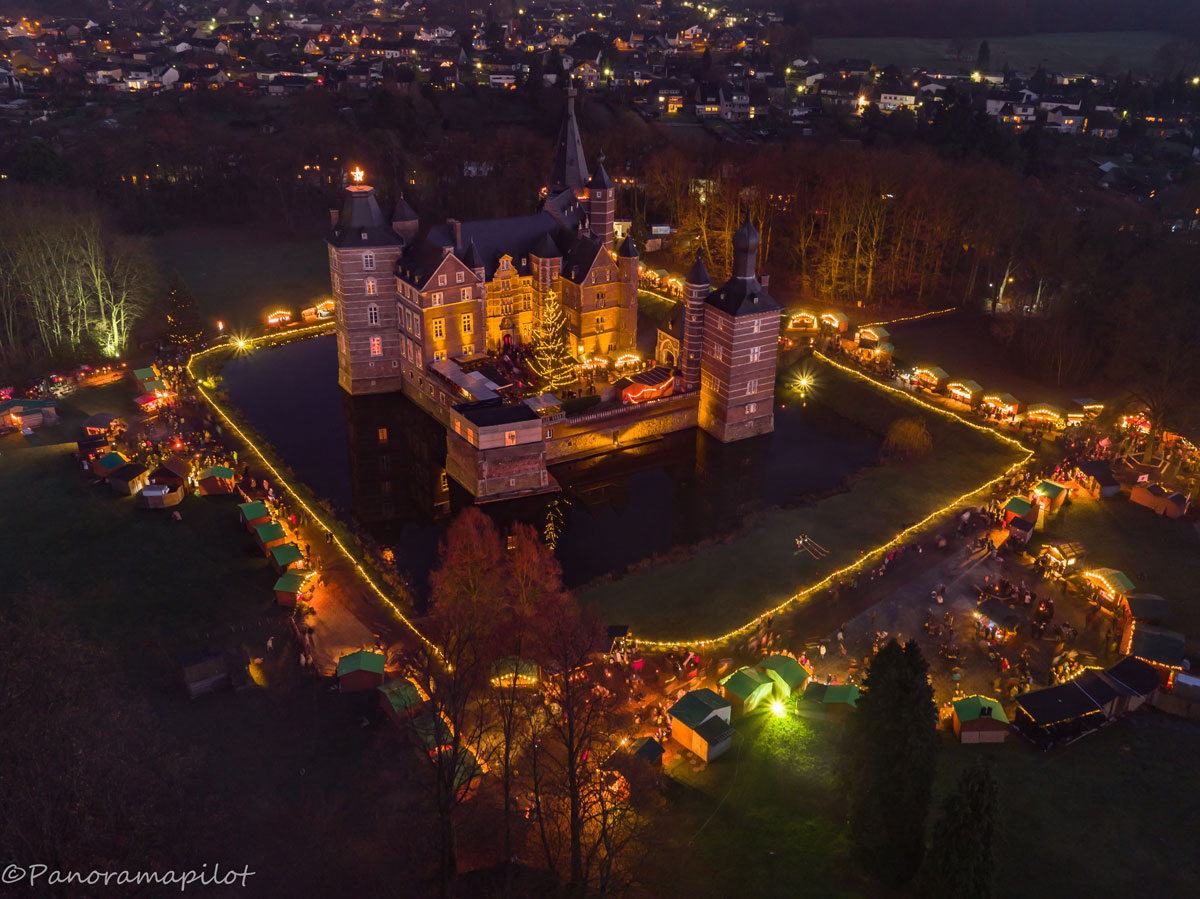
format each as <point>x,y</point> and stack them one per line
<point>413,309</point>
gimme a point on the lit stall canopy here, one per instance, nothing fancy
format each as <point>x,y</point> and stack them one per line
<point>1086,407</point>
<point>1062,558</point>
<point>279,317</point>
<point>516,672</point>
<point>1136,421</point>
<point>1109,584</point>
<point>884,350</point>
<point>872,335</point>
<point>1003,404</point>
<point>834,321</point>
<point>1050,495</point>
<point>803,321</point>
<point>931,377</point>
<point>965,391</point>
<point>1045,413</point>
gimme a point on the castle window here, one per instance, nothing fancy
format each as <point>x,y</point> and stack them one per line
<point>437,298</point>
<point>369,262</point>
<point>718,352</point>
<point>599,322</point>
<point>465,293</point>
<point>439,328</point>
<point>458,277</point>
<point>504,264</point>
<point>751,408</point>
<point>372,287</point>
<point>383,435</point>
<point>372,314</point>
<point>510,438</point>
<point>441,280</point>
<point>416,326</point>
<point>439,355</point>
<point>468,349</point>
<point>754,351</point>
<point>757,325</point>
<point>466,322</point>
<point>376,346</point>
<point>751,388</point>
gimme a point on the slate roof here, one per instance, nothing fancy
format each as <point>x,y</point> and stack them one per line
<point>581,258</point>
<point>361,215</point>
<point>600,179</point>
<point>743,296</point>
<point>568,171</point>
<point>493,412</point>
<point>698,274</point>
<point>628,249</point>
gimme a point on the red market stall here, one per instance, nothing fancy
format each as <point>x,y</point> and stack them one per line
<point>362,670</point>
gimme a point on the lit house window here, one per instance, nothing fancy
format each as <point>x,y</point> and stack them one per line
<point>383,435</point>
<point>439,328</point>
<point>458,277</point>
<point>465,293</point>
<point>371,287</point>
<point>751,387</point>
<point>372,314</point>
<point>376,346</point>
<point>754,351</point>
<point>369,262</point>
<point>437,298</point>
<point>441,280</point>
<point>466,323</point>
<point>510,438</point>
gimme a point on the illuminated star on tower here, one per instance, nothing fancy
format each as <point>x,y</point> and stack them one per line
<point>357,174</point>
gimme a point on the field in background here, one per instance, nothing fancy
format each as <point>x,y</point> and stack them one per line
<point>1077,52</point>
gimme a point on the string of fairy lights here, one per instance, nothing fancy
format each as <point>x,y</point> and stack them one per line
<point>242,344</point>
<point>910,318</point>
<point>665,645</point>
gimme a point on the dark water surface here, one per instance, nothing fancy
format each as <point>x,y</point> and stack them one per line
<point>380,461</point>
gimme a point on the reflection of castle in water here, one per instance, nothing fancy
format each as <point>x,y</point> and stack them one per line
<point>614,510</point>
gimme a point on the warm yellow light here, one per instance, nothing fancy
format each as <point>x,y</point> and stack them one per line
<point>357,174</point>
<point>777,708</point>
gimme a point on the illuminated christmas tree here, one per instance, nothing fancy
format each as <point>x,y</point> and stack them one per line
<point>552,360</point>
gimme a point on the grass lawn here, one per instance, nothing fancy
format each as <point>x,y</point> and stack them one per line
<point>1081,51</point>
<point>240,275</point>
<point>757,569</point>
<point>1159,554</point>
<point>1102,817</point>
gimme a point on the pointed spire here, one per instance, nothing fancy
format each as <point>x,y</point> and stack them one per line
<point>471,258</point>
<point>745,250</point>
<point>698,276</point>
<point>628,249</point>
<point>600,179</point>
<point>569,171</point>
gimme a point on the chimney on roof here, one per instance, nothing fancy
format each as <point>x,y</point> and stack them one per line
<point>456,227</point>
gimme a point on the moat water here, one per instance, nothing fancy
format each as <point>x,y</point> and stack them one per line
<point>614,510</point>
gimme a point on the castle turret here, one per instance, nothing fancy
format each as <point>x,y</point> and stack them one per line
<point>569,171</point>
<point>740,349</point>
<point>363,252</point>
<point>627,268</point>
<point>601,204</point>
<point>696,288</point>
<point>405,222</point>
<point>544,264</point>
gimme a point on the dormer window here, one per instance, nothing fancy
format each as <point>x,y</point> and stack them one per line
<point>504,264</point>
<point>368,262</point>
<point>364,235</point>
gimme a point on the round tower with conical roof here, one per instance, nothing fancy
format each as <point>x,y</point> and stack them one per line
<point>627,269</point>
<point>601,204</point>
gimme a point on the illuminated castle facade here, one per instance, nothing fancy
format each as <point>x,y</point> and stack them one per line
<point>412,307</point>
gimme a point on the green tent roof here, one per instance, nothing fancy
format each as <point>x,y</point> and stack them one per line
<point>1115,579</point>
<point>971,707</point>
<point>1018,506</point>
<point>427,731</point>
<point>251,511</point>
<point>145,374</point>
<point>291,581</point>
<point>112,461</point>
<point>745,683</point>
<point>153,386</point>
<point>786,670</point>
<point>401,695</point>
<point>1049,489</point>
<point>272,530</point>
<point>841,693</point>
<point>217,471</point>
<point>286,554</point>
<point>363,660</point>
<point>694,707</point>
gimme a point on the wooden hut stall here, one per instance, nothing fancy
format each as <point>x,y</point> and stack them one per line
<point>931,377</point>
<point>1140,608</point>
<point>1019,507</point>
<point>1004,406</point>
<point>1060,559</point>
<point>1099,691</point>
<point>1057,714</point>
<point>101,423</point>
<point>291,585</point>
<point>402,699</point>
<point>515,672</point>
<point>1159,500</point>
<point>1110,587</point>
<point>285,557</point>
<point>745,689</point>
<point>871,336</point>
<point>147,402</point>
<point>834,322</point>
<point>1050,495</point>
<point>1160,648</point>
<point>839,701</point>
<point>173,472</point>
<point>978,719</point>
<point>105,465</point>
<point>358,671</point>
<point>803,321</point>
<point>270,535</point>
<point>883,353</point>
<point>92,448</point>
<point>161,496</point>
<point>253,514</point>
<point>1135,681</point>
<point>1097,478</point>
<point>145,376</point>
<point>1087,408</point>
<point>1047,415</point>
<point>787,674</point>
<point>216,480</point>
<point>965,391</point>
<point>700,723</point>
<point>129,479</point>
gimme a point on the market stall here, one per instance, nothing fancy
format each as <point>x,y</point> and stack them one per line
<point>253,514</point>
<point>1004,406</point>
<point>129,479</point>
<point>285,557</point>
<point>290,586</point>
<point>930,377</point>
<point>1050,495</point>
<point>745,689</point>
<point>1046,415</point>
<point>1159,499</point>
<point>978,719</point>
<point>994,620</point>
<point>216,480</point>
<point>362,670</point>
<point>803,321</point>
<point>965,391</point>
<point>1097,478</point>
<point>1060,559</point>
<point>269,535</point>
<point>787,673</point>
<point>835,322</point>
<point>1057,714</point>
<point>1109,587</point>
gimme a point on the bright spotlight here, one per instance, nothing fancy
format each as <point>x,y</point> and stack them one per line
<point>777,708</point>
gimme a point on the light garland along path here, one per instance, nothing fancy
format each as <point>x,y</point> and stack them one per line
<point>873,555</point>
<point>353,558</point>
<point>910,318</point>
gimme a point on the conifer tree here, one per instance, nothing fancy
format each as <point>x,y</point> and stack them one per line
<point>183,322</point>
<point>552,360</point>
<point>959,864</point>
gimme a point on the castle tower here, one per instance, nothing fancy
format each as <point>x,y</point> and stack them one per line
<point>627,267</point>
<point>695,290</point>
<point>601,204</point>
<point>740,349</point>
<point>405,221</point>
<point>363,252</point>
<point>569,171</point>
